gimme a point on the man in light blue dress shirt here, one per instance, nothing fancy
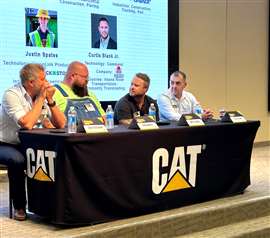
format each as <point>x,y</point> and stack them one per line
<point>175,102</point>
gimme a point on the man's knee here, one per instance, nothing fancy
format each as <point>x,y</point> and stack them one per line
<point>11,156</point>
<point>18,158</point>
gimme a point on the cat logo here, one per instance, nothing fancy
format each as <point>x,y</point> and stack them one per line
<point>40,164</point>
<point>176,176</point>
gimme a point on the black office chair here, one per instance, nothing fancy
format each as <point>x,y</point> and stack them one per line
<point>4,167</point>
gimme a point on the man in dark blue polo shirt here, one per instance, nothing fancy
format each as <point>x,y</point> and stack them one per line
<point>136,102</point>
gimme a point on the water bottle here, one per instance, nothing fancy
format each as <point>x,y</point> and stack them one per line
<point>152,111</point>
<point>72,120</point>
<point>109,117</point>
<point>221,113</point>
<point>42,116</point>
<point>198,110</point>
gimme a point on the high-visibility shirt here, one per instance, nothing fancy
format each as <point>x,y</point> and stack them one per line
<point>36,40</point>
<point>62,100</point>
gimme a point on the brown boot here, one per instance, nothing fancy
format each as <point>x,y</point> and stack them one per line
<point>19,215</point>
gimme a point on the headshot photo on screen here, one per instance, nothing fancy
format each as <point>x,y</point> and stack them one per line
<point>41,28</point>
<point>104,31</point>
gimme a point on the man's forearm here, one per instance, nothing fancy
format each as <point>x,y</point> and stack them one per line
<point>58,118</point>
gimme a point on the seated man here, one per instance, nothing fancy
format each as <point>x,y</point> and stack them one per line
<point>73,91</point>
<point>176,101</point>
<point>21,108</point>
<point>136,102</point>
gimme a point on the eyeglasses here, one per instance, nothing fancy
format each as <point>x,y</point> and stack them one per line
<point>82,76</point>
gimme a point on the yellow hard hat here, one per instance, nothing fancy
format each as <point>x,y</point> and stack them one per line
<point>43,13</point>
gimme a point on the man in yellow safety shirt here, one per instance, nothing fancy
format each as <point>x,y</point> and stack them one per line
<point>42,36</point>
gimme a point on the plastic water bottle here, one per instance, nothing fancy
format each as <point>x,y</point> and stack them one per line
<point>198,110</point>
<point>221,113</point>
<point>109,117</point>
<point>42,116</point>
<point>152,111</point>
<point>72,120</point>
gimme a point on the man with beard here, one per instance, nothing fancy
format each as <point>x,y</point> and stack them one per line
<point>22,106</point>
<point>42,36</point>
<point>73,91</point>
<point>136,102</point>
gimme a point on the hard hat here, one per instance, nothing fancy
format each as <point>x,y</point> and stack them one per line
<point>43,13</point>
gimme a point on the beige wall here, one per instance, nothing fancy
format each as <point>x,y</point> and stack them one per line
<point>224,51</point>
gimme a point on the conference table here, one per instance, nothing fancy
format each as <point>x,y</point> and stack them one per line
<point>84,178</point>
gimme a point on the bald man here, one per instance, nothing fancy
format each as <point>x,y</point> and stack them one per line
<point>73,90</point>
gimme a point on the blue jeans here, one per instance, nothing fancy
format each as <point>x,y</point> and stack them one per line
<point>11,156</point>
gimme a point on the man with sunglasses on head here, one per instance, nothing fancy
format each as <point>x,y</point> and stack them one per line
<point>73,91</point>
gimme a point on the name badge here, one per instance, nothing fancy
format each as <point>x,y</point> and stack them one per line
<point>89,107</point>
<point>94,125</point>
<point>143,123</point>
<point>233,116</point>
<point>190,119</point>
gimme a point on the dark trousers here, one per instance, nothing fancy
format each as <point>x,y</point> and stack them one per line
<point>11,156</point>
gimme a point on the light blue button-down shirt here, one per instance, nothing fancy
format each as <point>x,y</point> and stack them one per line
<point>172,108</point>
<point>104,43</point>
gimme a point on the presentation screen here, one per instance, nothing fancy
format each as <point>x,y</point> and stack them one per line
<point>114,38</point>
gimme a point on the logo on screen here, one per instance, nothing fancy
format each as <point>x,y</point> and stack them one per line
<point>118,73</point>
<point>118,69</point>
<point>141,1</point>
<point>176,173</point>
<point>40,164</point>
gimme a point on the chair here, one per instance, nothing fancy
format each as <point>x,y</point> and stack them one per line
<point>4,167</point>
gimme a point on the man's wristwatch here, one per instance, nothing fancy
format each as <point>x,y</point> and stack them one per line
<point>51,104</point>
